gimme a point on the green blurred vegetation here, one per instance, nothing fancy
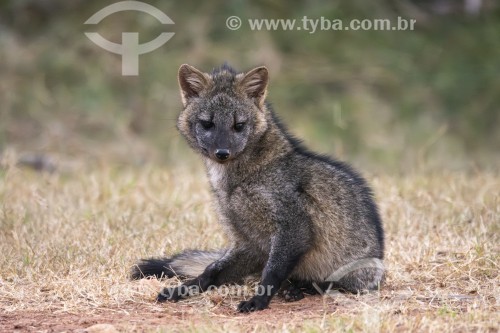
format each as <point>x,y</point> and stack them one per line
<point>387,100</point>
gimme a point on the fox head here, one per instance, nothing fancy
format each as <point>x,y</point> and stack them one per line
<point>224,111</point>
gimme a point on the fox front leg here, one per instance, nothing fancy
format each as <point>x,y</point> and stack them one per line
<point>287,247</point>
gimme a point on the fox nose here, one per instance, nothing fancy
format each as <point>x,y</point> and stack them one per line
<point>222,154</point>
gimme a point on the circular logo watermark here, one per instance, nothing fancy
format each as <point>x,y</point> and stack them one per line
<point>374,265</point>
<point>129,49</point>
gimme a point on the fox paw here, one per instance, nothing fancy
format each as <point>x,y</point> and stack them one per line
<point>253,304</point>
<point>292,294</point>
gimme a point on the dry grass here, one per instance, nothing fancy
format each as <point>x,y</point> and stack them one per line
<point>67,242</point>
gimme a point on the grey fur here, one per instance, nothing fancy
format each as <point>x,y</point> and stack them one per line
<point>189,263</point>
<point>289,213</point>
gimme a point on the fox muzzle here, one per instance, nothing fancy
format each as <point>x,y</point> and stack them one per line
<point>222,154</point>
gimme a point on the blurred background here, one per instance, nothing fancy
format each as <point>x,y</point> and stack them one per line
<point>388,101</point>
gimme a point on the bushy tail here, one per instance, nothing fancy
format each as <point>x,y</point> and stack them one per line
<point>190,263</point>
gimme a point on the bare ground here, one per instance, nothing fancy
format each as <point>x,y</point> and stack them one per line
<point>384,311</point>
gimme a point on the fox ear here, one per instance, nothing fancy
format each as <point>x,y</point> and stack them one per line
<point>192,82</point>
<point>254,84</point>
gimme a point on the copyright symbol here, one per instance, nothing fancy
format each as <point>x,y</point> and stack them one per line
<point>233,23</point>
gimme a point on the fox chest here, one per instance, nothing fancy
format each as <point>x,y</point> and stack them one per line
<point>249,213</point>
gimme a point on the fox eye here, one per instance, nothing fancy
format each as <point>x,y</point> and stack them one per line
<point>238,127</point>
<point>206,124</point>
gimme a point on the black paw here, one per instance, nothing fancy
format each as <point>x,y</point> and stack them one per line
<point>292,294</point>
<point>168,294</point>
<point>253,304</point>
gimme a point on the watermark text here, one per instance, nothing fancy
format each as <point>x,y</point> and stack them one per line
<point>313,25</point>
